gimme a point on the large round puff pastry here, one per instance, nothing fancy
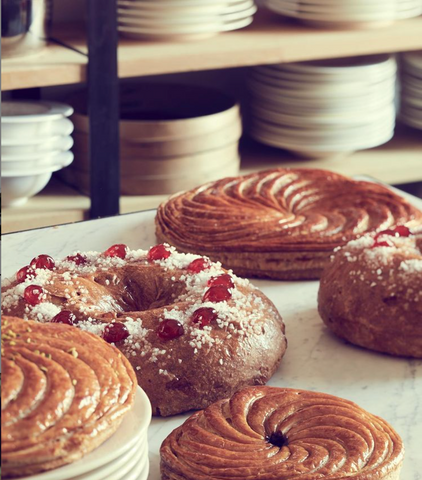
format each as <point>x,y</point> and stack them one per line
<point>371,293</point>
<point>282,224</point>
<point>64,392</point>
<point>267,433</point>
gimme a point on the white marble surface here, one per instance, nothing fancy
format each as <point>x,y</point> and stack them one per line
<point>315,359</point>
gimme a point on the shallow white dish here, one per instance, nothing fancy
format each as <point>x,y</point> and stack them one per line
<point>33,130</point>
<point>315,359</point>
<point>47,163</point>
<point>133,427</point>
<point>23,111</point>
<point>16,190</point>
<point>34,146</point>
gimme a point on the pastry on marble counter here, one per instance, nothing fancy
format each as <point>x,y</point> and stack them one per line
<point>194,332</point>
<point>268,433</point>
<point>371,293</point>
<point>64,392</point>
<point>281,224</point>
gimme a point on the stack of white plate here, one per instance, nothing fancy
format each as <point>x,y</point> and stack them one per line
<point>124,456</point>
<point>351,13</point>
<point>324,108</point>
<point>35,142</point>
<point>182,19</point>
<point>172,138</point>
<point>411,90</point>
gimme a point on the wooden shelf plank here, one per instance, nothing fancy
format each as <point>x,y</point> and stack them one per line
<point>55,65</point>
<point>399,161</point>
<point>270,39</point>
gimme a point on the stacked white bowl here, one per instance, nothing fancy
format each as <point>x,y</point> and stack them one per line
<point>411,90</point>
<point>35,142</point>
<point>124,456</point>
<point>351,13</point>
<point>182,19</point>
<point>172,137</point>
<point>324,108</point>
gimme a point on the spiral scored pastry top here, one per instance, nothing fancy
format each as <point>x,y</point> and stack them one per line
<point>384,273</point>
<point>290,211</point>
<point>270,433</point>
<point>194,332</point>
<point>63,393</point>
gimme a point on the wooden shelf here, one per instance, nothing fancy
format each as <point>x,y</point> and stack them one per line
<point>270,39</point>
<point>399,161</point>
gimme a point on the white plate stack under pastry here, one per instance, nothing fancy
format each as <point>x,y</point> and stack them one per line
<point>35,142</point>
<point>411,89</point>
<point>324,108</point>
<point>182,19</point>
<point>124,456</point>
<point>346,13</point>
<point>172,138</point>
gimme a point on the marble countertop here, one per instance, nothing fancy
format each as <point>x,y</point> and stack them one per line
<point>315,359</point>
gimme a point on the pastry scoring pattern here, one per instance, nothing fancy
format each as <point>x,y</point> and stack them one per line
<point>282,434</point>
<point>64,392</point>
<point>301,213</point>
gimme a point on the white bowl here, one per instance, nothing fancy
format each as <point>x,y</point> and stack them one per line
<point>21,165</point>
<point>32,146</point>
<point>24,111</point>
<point>45,129</point>
<point>17,189</point>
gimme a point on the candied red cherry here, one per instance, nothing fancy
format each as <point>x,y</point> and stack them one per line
<point>159,252</point>
<point>170,329</point>
<point>400,231</point>
<point>24,273</point>
<point>198,265</point>
<point>33,294</point>
<point>224,280</point>
<point>77,259</point>
<point>217,294</point>
<point>204,316</point>
<point>380,244</point>
<point>115,332</point>
<point>119,250</point>
<point>65,316</point>
<point>42,261</point>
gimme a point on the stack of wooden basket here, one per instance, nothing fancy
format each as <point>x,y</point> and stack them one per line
<point>172,138</point>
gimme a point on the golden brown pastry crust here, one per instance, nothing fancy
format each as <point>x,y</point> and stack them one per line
<point>322,437</point>
<point>372,297</point>
<point>64,392</point>
<point>281,223</point>
<point>243,346</point>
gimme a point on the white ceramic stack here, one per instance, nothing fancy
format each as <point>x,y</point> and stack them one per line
<point>411,89</point>
<point>182,19</point>
<point>172,138</point>
<point>324,108</point>
<point>346,13</point>
<point>35,142</point>
<point>124,456</point>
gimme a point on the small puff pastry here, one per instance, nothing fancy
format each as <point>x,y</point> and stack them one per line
<point>64,392</point>
<point>265,433</point>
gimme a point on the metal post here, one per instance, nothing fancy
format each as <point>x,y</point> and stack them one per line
<point>103,107</point>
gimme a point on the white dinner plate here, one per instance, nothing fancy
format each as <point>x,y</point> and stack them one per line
<point>194,29</point>
<point>133,427</point>
<point>185,22</point>
<point>31,146</point>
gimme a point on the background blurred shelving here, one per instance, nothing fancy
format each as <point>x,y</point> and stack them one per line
<point>268,40</point>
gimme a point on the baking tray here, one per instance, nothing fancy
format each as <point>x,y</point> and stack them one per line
<point>315,359</point>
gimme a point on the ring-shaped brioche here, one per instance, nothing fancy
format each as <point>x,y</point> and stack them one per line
<point>282,223</point>
<point>64,392</point>
<point>199,357</point>
<point>267,433</point>
<point>371,293</point>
